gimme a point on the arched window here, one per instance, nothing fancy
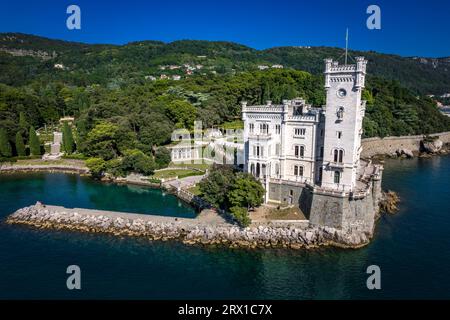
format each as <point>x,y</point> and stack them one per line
<point>302,151</point>
<point>295,170</point>
<point>264,128</point>
<point>338,156</point>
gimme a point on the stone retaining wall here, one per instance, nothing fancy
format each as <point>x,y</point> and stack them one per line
<point>388,145</point>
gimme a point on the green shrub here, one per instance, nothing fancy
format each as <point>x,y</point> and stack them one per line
<point>115,168</point>
<point>74,156</point>
<point>97,166</point>
<point>241,216</point>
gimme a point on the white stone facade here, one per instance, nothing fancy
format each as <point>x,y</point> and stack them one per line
<point>296,143</point>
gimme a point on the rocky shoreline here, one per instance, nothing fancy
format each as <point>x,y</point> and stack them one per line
<point>44,168</point>
<point>188,231</point>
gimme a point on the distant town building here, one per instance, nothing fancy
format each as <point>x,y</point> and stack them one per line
<point>277,66</point>
<point>262,67</point>
<point>176,77</point>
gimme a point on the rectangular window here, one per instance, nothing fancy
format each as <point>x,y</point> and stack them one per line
<point>321,152</point>
<point>321,132</point>
<point>295,170</point>
<point>337,177</point>
<point>264,128</point>
<point>297,151</point>
<point>299,132</point>
<point>251,127</point>
<point>277,129</point>
<point>277,149</point>
<point>339,134</point>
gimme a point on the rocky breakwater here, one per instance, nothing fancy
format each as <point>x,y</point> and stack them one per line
<point>189,231</point>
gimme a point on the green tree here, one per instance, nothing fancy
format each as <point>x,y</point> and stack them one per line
<point>96,167</point>
<point>162,157</point>
<point>217,184</point>
<point>115,168</point>
<point>68,142</point>
<point>246,192</point>
<point>183,113</point>
<point>101,141</point>
<point>5,146</point>
<point>138,162</point>
<point>23,123</point>
<point>35,144</point>
<point>20,146</point>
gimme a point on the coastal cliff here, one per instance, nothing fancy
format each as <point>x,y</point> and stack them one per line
<point>190,231</point>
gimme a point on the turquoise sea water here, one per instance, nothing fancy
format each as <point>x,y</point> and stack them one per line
<point>412,248</point>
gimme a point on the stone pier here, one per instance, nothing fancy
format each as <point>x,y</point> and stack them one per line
<point>207,229</point>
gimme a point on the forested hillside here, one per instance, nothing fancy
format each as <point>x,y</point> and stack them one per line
<point>121,103</point>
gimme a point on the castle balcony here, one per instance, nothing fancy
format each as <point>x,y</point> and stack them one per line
<point>332,189</point>
<point>260,136</point>
<point>292,180</point>
<point>337,165</point>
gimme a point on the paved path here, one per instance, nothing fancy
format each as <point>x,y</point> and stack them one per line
<point>184,183</point>
<point>208,217</point>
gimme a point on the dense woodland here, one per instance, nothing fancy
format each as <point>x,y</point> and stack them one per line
<point>120,114</point>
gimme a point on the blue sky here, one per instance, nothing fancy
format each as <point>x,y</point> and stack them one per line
<point>409,28</point>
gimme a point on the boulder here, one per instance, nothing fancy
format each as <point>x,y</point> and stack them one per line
<point>405,152</point>
<point>432,146</point>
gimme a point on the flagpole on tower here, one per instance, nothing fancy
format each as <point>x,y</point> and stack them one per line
<point>346,46</point>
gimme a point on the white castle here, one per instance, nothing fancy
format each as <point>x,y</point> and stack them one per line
<point>293,146</point>
<point>305,156</point>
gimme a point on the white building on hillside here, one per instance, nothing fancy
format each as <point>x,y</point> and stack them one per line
<point>294,143</point>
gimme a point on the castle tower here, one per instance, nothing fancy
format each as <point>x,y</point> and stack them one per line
<point>344,114</point>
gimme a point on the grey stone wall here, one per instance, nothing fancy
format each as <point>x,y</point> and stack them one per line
<point>388,145</point>
<point>346,213</point>
<point>281,192</point>
<point>343,213</point>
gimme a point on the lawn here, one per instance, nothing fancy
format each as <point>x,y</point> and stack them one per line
<point>180,173</point>
<point>195,190</point>
<point>200,166</point>
<point>233,125</point>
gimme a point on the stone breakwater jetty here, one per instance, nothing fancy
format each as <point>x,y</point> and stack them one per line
<point>207,229</point>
